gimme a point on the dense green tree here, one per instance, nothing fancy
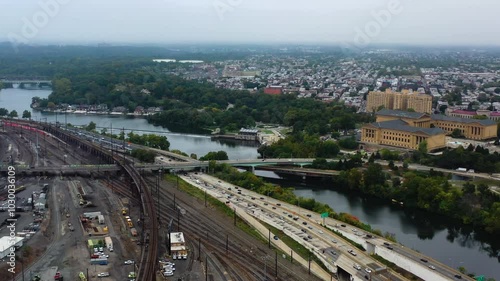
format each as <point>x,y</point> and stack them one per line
<point>26,114</point>
<point>215,155</point>
<point>348,143</point>
<point>91,126</point>
<point>144,155</point>
<point>13,114</point>
<point>4,112</point>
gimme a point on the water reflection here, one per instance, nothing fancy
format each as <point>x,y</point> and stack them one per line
<point>446,240</point>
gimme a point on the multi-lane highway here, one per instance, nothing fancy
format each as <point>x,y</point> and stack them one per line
<point>307,228</point>
<point>301,226</point>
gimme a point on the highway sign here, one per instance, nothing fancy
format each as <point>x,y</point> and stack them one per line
<point>324,215</point>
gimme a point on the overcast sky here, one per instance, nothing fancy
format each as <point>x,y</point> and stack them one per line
<point>443,22</point>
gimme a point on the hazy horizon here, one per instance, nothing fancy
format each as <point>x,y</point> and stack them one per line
<point>322,22</point>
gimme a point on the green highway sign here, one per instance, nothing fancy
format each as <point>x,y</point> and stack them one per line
<point>324,215</point>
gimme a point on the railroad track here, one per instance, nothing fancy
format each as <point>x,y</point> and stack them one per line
<point>147,266</point>
<point>243,261</point>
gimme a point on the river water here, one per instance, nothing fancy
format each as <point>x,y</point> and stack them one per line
<point>448,242</point>
<point>20,100</point>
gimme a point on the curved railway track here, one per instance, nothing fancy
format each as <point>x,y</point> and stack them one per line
<point>147,267</point>
<point>244,259</point>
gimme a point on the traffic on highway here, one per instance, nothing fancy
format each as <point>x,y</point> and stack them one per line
<point>321,235</point>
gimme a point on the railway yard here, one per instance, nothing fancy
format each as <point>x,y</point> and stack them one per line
<point>114,224</point>
<point>59,232</point>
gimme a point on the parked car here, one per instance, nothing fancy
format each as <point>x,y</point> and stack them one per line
<point>129,262</point>
<point>168,273</point>
<point>103,274</point>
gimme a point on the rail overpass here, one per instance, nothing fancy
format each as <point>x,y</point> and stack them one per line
<point>171,165</point>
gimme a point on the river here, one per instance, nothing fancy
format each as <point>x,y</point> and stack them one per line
<point>20,100</point>
<point>437,237</point>
<point>448,242</point>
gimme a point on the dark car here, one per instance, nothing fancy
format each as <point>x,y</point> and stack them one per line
<point>424,260</point>
<point>458,276</point>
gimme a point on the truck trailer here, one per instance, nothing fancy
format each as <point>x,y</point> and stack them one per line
<point>109,243</point>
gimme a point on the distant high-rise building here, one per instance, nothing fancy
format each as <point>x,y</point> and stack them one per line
<point>399,101</point>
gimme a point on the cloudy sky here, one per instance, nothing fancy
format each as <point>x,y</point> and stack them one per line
<point>358,22</point>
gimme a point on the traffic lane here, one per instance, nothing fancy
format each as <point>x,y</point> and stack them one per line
<point>263,204</point>
<point>315,233</point>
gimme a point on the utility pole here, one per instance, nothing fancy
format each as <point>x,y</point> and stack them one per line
<point>234,209</point>
<point>178,220</point>
<point>227,243</point>
<point>206,268</point>
<point>269,238</point>
<point>199,248</point>
<point>276,263</point>
<point>309,262</point>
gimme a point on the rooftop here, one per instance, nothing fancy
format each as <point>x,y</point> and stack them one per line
<point>401,113</point>
<point>400,125</point>
<point>458,111</point>
<point>248,131</point>
<point>177,238</point>
<point>484,122</point>
<point>6,242</point>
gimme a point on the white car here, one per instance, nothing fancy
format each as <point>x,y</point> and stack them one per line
<point>168,273</point>
<point>368,270</point>
<point>104,256</point>
<point>169,267</point>
<point>129,262</point>
<point>356,266</point>
<point>103,274</point>
<point>101,249</point>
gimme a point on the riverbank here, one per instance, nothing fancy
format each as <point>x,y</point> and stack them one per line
<point>93,112</point>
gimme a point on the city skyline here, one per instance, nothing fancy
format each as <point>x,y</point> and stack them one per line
<point>356,25</point>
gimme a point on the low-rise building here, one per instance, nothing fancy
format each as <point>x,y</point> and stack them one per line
<point>408,129</point>
<point>7,242</point>
<point>178,245</point>
<point>400,133</point>
<point>248,134</point>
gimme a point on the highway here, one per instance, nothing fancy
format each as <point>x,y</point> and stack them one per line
<point>308,230</point>
<point>330,248</point>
